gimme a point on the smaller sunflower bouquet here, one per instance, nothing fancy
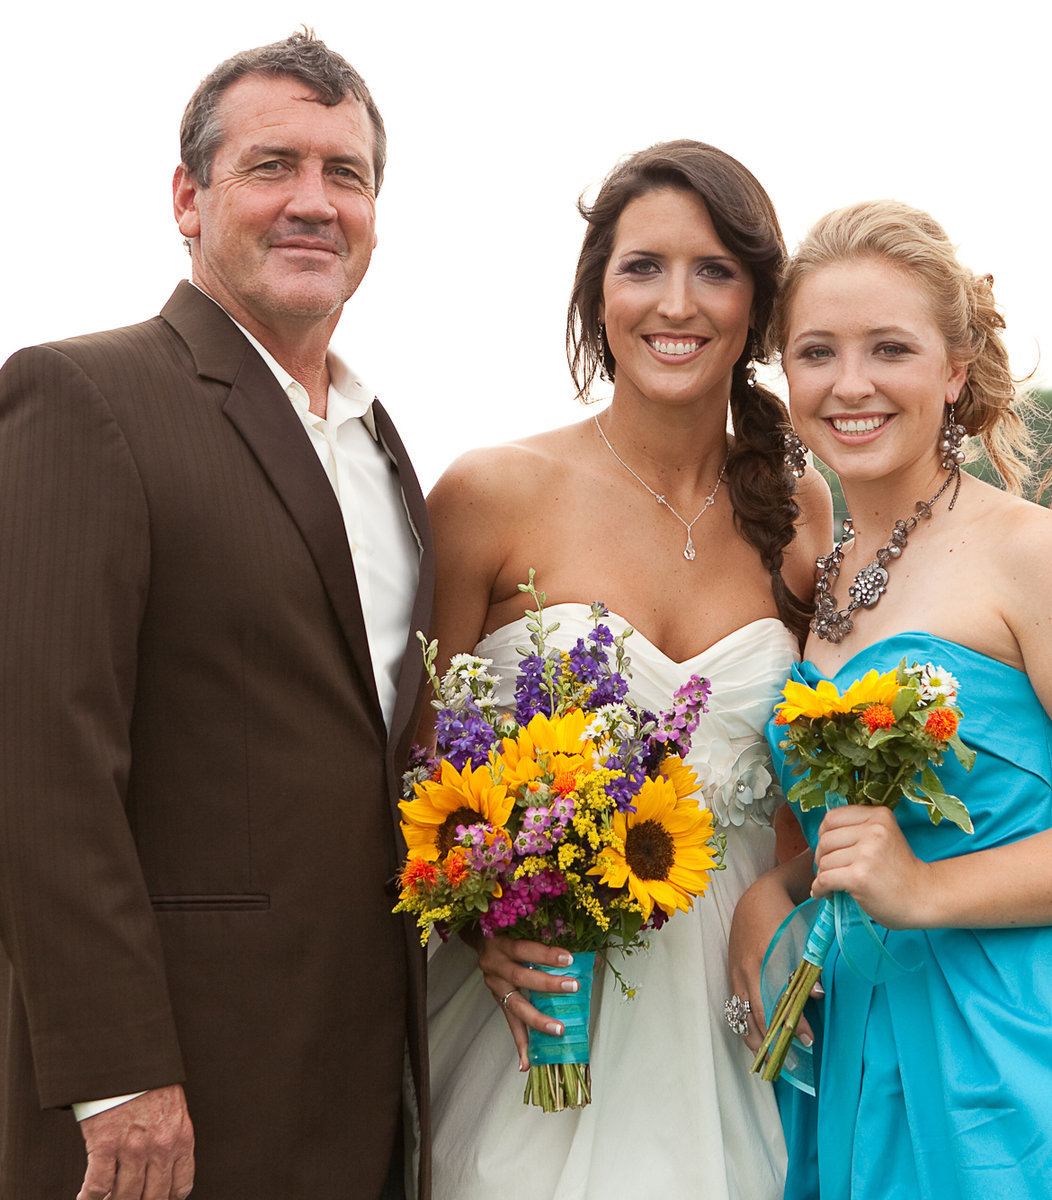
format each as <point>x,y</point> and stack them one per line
<point>875,744</point>
<point>571,821</point>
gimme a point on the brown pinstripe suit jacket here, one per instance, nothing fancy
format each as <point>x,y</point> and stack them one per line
<point>197,790</point>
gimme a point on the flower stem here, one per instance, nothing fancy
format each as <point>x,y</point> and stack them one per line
<point>786,1016</point>
<point>895,787</point>
<point>556,1086</point>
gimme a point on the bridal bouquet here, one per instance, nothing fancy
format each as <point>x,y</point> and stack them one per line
<point>875,744</point>
<point>571,821</point>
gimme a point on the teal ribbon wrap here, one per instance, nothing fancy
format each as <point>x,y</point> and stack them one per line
<point>808,933</point>
<point>571,1008</point>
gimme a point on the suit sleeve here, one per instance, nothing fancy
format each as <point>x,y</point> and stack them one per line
<point>75,918</point>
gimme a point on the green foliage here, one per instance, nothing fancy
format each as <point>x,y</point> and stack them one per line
<point>1039,418</point>
<point>837,753</point>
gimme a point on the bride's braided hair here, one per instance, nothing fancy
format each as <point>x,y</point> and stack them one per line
<point>760,487</point>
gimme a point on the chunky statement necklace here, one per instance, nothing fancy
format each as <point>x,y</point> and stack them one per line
<point>833,624</point>
<point>710,500</point>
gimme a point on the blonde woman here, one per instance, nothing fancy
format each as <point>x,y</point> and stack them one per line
<point>933,1085</point>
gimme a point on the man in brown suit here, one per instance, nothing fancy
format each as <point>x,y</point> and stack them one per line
<point>213,553</point>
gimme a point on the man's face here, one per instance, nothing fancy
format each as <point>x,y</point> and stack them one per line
<point>284,233</point>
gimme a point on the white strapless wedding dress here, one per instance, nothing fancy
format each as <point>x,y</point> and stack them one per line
<point>674,1113</point>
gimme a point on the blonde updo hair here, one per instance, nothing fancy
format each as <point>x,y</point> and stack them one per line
<point>961,305</point>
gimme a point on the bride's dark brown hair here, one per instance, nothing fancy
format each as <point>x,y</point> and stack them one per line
<point>760,487</point>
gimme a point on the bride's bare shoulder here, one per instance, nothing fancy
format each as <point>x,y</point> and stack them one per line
<point>510,473</point>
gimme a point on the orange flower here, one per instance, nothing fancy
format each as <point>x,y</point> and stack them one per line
<point>455,867</point>
<point>877,716</point>
<point>941,724</point>
<point>418,870</point>
<point>565,782</point>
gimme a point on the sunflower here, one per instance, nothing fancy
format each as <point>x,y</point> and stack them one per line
<point>547,745</point>
<point>457,798</point>
<point>825,701</point>
<point>666,857</point>
<point>682,778</point>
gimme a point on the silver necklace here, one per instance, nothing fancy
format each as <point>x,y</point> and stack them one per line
<point>710,500</point>
<point>833,624</point>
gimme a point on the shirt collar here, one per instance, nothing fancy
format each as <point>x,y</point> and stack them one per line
<point>348,397</point>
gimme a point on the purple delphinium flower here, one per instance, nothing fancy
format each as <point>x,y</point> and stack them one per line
<point>590,664</point>
<point>601,636</point>
<point>463,735</point>
<point>531,696</point>
<point>583,663</point>
<point>631,762</point>
<point>611,689</point>
<point>624,787</point>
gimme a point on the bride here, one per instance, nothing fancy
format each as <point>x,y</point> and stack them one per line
<point>687,535</point>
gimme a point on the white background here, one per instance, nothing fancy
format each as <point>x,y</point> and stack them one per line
<point>499,116</point>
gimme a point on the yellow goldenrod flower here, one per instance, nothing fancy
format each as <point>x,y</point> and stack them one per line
<point>567,855</point>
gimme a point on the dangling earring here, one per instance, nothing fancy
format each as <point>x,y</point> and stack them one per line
<point>604,374</point>
<point>795,453</point>
<point>950,438</point>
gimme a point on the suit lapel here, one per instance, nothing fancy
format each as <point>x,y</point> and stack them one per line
<point>262,414</point>
<point>265,418</point>
<point>407,706</point>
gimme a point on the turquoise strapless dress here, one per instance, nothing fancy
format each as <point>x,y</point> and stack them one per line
<point>937,1084</point>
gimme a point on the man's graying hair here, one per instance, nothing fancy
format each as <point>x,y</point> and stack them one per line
<point>303,57</point>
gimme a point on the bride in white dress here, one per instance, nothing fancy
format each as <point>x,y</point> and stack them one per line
<point>673,291</point>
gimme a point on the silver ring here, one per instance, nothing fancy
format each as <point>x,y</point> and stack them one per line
<point>507,997</point>
<point>736,1013</point>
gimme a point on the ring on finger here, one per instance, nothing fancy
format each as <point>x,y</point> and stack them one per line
<point>736,1013</point>
<point>506,997</point>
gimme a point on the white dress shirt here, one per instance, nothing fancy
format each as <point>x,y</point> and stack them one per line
<point>384,546</point>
